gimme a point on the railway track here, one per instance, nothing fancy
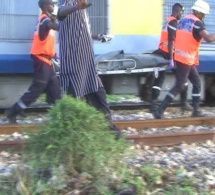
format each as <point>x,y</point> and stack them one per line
<point>167,139</point>
<point>42,108</point>
<point>113,106</point>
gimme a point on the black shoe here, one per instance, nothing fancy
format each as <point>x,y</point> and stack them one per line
<point>186,107</point>
<point>22,114</point>
<point>157,114</point>
<point>13,112</point>
<point>116,131</point>
<point>154,106</point>
<point>10,117</point>
<point>198,114</point>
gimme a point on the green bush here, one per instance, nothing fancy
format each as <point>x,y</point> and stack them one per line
<point>76,136</point>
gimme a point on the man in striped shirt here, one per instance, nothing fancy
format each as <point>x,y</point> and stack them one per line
<point>78,72</point>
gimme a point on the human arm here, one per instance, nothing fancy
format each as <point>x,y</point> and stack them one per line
<point>52,25</point>
<point>199,32</point>
<point>170,49</point>
<point>172,27</point>
<point>46,24</point>
<point>95,37</point>
<point>206,36</point>
<point>171,59</point>
<point>64,11</point>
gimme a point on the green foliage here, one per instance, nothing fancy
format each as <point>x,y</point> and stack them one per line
<point>184,186</point>
<point>77,146</point>
<point>178,190</point>
<point>187,182</point>
<point>77,136</point>
<point>139,184</point>
<point>151,175</point>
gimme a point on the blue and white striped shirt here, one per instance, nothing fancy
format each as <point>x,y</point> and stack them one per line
<point>78,69</point>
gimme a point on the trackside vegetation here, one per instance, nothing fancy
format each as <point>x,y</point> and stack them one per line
<point>75,153</point>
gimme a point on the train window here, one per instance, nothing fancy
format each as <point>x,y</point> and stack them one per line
<point>209,19</point>
<point>18,19</point>
<point>98,14</point>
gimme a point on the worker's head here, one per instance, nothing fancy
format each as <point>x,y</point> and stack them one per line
<point>177,10</point>
<point>200,9</point>
<point>46,5</point>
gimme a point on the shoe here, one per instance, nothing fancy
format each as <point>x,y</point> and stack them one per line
<point>116,131</point>
<point>153,106</point>
<point>198,114</point>
<point>13,112</point>
<point>157,114</point>
<point>11,118</point>
<point>22,114</point>
<point>186,107</point>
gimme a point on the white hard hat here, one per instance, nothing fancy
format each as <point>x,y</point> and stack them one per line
<point>201,6</point>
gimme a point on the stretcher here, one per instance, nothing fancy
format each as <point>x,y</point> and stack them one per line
<point>117,62</point>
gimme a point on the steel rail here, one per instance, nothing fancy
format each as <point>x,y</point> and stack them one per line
<point>15,145</point>
<point>43,108</point>
<point>157,140</point>
<point>164,139</point>
<point>171,139</point>
<point>113,106</point>
<point>180,122</point>
<point>137,124</point>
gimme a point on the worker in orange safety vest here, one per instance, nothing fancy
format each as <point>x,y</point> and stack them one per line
<point>166,49</point>
<point>42,52</point>
<point>191,31</point>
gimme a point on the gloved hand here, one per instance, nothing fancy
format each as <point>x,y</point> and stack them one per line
<point>56,64</point>
<point>171,64</point>
<point>104,38</point>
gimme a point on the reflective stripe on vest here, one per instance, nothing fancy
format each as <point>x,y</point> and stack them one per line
<point>184,54</point>
<point>45,47</point>
<point>163,45</point>
<point>186,47</point>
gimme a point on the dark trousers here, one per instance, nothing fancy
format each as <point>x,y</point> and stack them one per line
<point>99,101</point>
<point>157,84</point>
<point>183,73</point>
<point>44,81</point>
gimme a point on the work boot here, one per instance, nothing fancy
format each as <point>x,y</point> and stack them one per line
<point>22,114</point>
<point>113,128</point>
<point>145,93</point>
<point>154,105</point>
<point>155,93</point>
<point>196,111</point>
<point>13,112</point>
<point>185,106</point>
<point>158,113</point>
<point>116,131</point>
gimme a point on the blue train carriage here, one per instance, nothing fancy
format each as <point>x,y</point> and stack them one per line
<point>135,31</point>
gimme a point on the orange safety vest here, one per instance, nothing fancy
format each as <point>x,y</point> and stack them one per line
<point>44,50</point>
<point>186,47</point>
<point>163,45</point>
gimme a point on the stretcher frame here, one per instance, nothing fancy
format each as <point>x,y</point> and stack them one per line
<point>130,70</point>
